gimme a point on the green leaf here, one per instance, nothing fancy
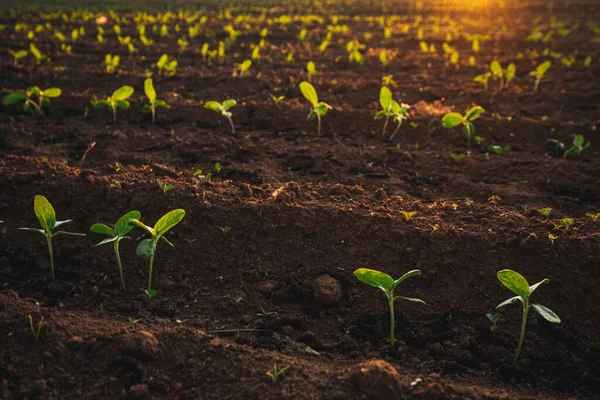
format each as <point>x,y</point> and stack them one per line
<point>166,241</point>
<point>13,98</point>
<point>123,93</point>
<point>161,103</point>
<point>168,221</point>
<point>122,104</point>
<point>578,141</point>
<point>227,104</point>
<point>410,299</point>
<point>150,292</point>
<point>146,248</point>
<point>452,120</point>
<point>533,287</point>
<point>375,278</point>
<point>322,108</point>
<point>103,229</point>
<point>542,68</point>
<point>146,109</point>
<point>309,93</point>
<point>515,282</point>
<point>496,68</point>
<point>43,232</point>
<point>469,128</point>
<point>108,240</point>
<point>509,301</point>
<point>52,93</point>
<point>100,104</point>
<point>149,90</point>
<point>20,54</point>
<point>385,97</point>
<point>124,225</point>
<point>380,114</point>
<point>474,113</point>
<point>137,222</point>
<point>68,233</point>
<point>407,275</point>
<point>213,105</point>
<point>547,313</point>
<point>44,212</point>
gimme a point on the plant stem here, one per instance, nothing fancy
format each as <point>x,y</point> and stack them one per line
<point>523,323</point>
<point>49,241</point>
<point>153,115</point>
<point>318,125</point>
<point>231,123</point>
<point>392,323</point>
<point>150,273</point>
<point>119,264</point>
<point>396,131</point>
<point>385,126</point>
<point>114,115</point>
<point>537,83</point>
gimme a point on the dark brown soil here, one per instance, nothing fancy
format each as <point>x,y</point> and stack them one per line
<point>304,212</point>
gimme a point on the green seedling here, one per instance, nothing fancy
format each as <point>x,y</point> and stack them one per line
<point>509,74</point>
<point>539,73</point>
<point>564,223</point>
<point>457,157</point>
<point>18,55</point>
<point>153,102</point>
<point>577,148</point>
<point>36,332</point>
<point>166,187</point>
<point>115,234</point>
<point>151,293</point>
<point>244,67</point>
<point>494,318</point>
<point>319,109</point>
<point>388,80</point>
<point>47,218</point>
<point>593,216</point>
<point>483,79</point>
<point>545,212</point>
<point>519,286</point>
<point>166,66</point>
<point>408,214</point>
<point>34,98</point>
<point>385,282</point>
<point>265,314</point>
<point>37,54</point>
<point>452,120</point>
<point>311,70</point>
<point>147,247</point>
<point>223,109</point>
<point>111,62</point>
<point>276,99</point>
<point>276,372</point>
<point>118,100</point>
<point>224,229</point>
<point>497,73</point>
<point>391,109</point>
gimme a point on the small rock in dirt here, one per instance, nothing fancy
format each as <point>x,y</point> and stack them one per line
<point>266,287</point>
<point>381,194</point>
<point>377,379</point>
<point>39,388</point>
<point>246,190</point>
<point>75,342</point>
<point>436,348</point>
<point>139,392</point>
<point>163,282</point>
<point>140,344</point>
<point>287,330</point>
<point>163,170</point>
<point>327,290</point>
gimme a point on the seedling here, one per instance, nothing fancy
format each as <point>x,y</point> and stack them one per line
<point>47,218</point>
<point>166,66</point>
<point>154,103</point>
<point>117,100</point>
<point>244,68</point>
<point>276,99</point>
<point>36,332</point>
<point>115,234</point>
<point>111,62</point>
<point>578,146</point>
<point>519,286</point>
<point>224,229</point>
<point>33,97</point>
<point>265,314</point>
<point>497,73</point>
<point>319,108</point>
<point>509,74</point>
<point>388,80</point>
<point>408,215</point>
<point>483,79</point>
<point>391,109</point>
<point>276,372</point>
<point>452,120</point>
<point>223,109</point>
<point>539,73</point>
<point>385,282</point>
<point>151,293</point>
<point>564,223</point>
<point>593,216</point>
<point>39,56</point>
<point>545,211</point>
<point>147,247</point>
<point>494,318</point>
<point>18,55</point>
<point>311,70</point>
<point>166,187</point>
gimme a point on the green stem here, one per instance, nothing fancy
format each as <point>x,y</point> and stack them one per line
<point>49,241</point>
<point>385,126</point>
<point>119,264</point>
<point>153,115</point>
<point>396,131</point>
<point>114,110</point>
<point>392,323</point>
<point>537,83</point>
<point>232,126</point>
<point>523,323</point>
<point>318,125</point>
<point>150,273</point>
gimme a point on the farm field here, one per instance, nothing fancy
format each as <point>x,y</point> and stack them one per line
<point>454,138</point>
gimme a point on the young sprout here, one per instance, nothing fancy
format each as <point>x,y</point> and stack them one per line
<point>276,372</point>
<point>452,120</point>
<point>385,282</point>
<point>497,73</point>
<point>483,79</point>
<point>166,187</point>
<point>33,97</point>
<point>388,80</point>
<point>224,229</point>
<point>593,216</point>
<point>494,318</point>
<point>244,68</point>
<point>276,99</point>
<point>36,332</point>
<point>17,55</point>
<point>319,108</point>
<point>153,102</point>
<point>509,74</point>
<point>578,146</point>
<point>115,234</point>
<point>39,56</point>
<point>223,108</point>
<point>408,215</point>
<point>117,100</point>
<point>545,212</point>
<point>111,62</point>
<point>311,70</point>
<point>165,66</point>
<point>539,73</point>
<point>391,109</point>
<point>147,247</point>
<point>47,218</point>
<point>519,286</point>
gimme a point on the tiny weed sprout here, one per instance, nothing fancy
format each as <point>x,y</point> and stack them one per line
<point>223,109</point>
<point>39,56</point>
<point>224,229</point>
<point>539,73</point>
<point>153,102</point>
<point>276,99</point>
<point>593,216</point>
<point>311,70</point>
<point>494,318</point>
<point>545,212</point>
<point>117,100</point>
<point>564,223</point>
<point>111,62</point>
<point>577,148</point>
<point>519,286</point>
<point>147,247</point>
<point>115,234</point>
<point>166,66</point>
<point>244,68</point>
<point>509,74</point>
<point>483,79</point>
<point>36,332</point>
<point>33,99</point>
<point>497,73</point>
<point>385,282</point>
<point>408,215</point>
<point>319,109</point>
<point>276,372</point>
<point>47,218</point>
<point>165,187</point>
<point>452,120</point>
<point>391,109</point>
<point>17,55</point>
<point>151,293</point>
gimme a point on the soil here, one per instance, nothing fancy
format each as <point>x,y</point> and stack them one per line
<point>304,212</point>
